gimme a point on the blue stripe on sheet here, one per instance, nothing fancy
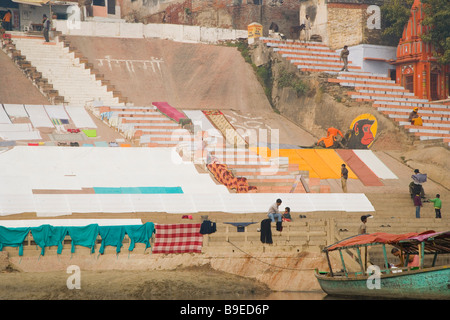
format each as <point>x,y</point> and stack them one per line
<point>138,190</point>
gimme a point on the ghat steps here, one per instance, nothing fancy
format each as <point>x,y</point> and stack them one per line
<point>70,75</point>
<point>385,95</point>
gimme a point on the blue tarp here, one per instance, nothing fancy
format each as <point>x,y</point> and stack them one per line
<point>137,190</point>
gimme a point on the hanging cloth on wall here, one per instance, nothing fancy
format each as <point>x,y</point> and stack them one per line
<point>111,236</point>
<point>208,227</point>
<point>266,232</point>
<point>83,236</point>
<point>49,236</point>
<point>13,237</point>
<point>140,234</point>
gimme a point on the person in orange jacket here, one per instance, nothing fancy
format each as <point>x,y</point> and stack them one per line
<point>7,20</point>
<point>331,138</point>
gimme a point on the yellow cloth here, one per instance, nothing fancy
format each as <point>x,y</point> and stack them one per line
<point>417,121</point>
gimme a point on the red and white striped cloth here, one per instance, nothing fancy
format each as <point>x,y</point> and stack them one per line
<point>178,238</point>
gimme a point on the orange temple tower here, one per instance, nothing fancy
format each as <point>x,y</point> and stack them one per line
<point>416,68</point>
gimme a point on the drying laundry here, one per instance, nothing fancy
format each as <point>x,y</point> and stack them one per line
<point>178,238</point>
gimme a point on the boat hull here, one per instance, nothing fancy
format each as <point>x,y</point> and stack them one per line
<point>432,283</point>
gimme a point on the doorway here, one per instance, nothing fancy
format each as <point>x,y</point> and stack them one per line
<point>434,86</point>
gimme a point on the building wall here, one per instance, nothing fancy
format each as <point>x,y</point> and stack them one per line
<point>235,14</point>
<point>345,24</point>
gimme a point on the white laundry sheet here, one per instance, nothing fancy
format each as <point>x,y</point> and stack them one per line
<point>198,118</point>
<point>375,164</point>
<point>18,131</point>
<point>52,205</point>
<point>68,222</point>
<point>16,110</point>
<point>4,118</point>
<point>25,170</point>
<point>9,127</point>
<point>80,117</point>
<point>20,135</point>
<point>56,112</point>
<point>38,116</point>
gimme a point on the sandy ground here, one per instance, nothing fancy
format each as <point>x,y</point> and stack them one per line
<point>15,84</point>
<point>200,283</point>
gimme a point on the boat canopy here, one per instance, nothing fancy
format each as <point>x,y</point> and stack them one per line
<point>435,242</point>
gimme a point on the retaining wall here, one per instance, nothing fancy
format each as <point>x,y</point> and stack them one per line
<point>180,33</point>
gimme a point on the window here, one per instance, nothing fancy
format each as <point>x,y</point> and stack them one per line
<point>111,6</point>
<point>100,3</point>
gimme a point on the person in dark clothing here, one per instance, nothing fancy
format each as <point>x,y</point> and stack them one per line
<point>344,57</point>
<point>344,177</point>
<point>46,27</point>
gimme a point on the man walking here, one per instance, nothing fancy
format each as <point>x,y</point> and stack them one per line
<point>46,27</point>
<point>344,58</point>
<point>344,177</point>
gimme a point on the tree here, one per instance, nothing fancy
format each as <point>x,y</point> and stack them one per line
<point>394,17</point>
<point>437,19</point>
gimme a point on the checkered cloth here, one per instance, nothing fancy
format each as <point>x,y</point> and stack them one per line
<point>178,238</point>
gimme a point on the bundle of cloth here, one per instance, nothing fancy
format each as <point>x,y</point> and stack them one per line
<point>226,177</point>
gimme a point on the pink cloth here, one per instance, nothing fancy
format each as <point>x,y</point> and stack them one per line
<point>169,111</point>
<point>415,262</point>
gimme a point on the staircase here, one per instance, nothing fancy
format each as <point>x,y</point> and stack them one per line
<point>144,124</point>
<point>68,74</point>
<point>385,95</point>
<point>153,129</point>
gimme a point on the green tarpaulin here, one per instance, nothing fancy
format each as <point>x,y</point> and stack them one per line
<point>91,133</point>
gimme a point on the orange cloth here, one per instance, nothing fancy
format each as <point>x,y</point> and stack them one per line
<point>7,17</point>
<point>224,176</point>
<point>328,141</point>
<point>334,132</point>
<point>417,121</point>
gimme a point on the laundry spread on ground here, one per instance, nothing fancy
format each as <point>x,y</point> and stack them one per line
<point>218,119</point>
<point>367,177</point>
<point>169,111</point>
<point>226,177</point>
<point>137,190</point>
<point>178,238</point>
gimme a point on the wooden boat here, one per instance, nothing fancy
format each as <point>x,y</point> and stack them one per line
<point>417,282</point>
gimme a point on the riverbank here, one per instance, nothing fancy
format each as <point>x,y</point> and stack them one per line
<point>194,283</point>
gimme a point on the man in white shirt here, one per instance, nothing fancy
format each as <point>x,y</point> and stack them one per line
<point>274,212</point>
<point>307,28</point>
